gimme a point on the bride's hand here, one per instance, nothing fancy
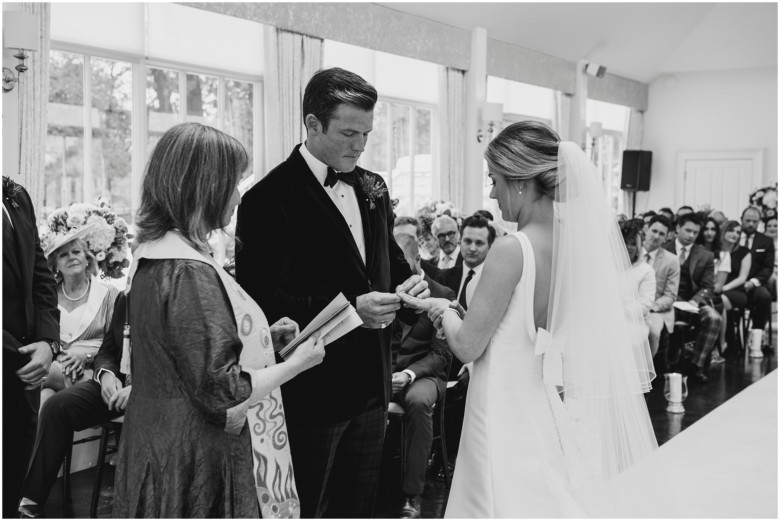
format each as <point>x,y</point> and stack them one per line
<point>283,331</point>
<point>436,309</point>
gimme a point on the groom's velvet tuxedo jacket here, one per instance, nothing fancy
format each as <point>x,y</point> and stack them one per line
<point>295,253</point>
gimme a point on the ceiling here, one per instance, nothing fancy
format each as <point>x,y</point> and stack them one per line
<point>639,41</point>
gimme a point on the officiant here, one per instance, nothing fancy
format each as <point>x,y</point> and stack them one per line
<point>329,232</point>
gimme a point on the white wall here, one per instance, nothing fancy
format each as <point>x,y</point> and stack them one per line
<point>708,111</point>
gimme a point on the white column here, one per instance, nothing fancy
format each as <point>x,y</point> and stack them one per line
<point>578,111</point>
<point>476,87</point>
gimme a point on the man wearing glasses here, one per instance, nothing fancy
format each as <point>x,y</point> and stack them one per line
<point>445,229</point>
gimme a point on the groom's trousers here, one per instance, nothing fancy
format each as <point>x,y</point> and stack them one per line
<point>337,464</point>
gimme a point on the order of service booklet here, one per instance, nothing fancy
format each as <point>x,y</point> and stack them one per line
<point>336,320</point>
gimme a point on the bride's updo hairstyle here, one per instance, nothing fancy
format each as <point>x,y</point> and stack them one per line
<point>524,151</point>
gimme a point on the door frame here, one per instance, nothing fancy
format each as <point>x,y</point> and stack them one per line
<point>756,156</point>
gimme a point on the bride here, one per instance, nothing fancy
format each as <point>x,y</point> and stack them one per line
<point>555,406</point>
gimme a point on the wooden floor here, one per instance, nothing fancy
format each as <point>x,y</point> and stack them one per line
<point>726,381</point>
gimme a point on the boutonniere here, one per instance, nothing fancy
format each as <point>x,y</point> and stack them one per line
<point>10,189</point>
<point>373,188</point>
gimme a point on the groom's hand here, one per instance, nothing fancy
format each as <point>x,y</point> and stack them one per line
<point>377,310</point>
<point>414,286</point>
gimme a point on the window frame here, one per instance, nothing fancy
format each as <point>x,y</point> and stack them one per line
<point>414,106</point>
<point>139,128</point>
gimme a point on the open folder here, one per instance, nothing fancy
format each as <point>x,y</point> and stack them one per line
<point>336,320</point>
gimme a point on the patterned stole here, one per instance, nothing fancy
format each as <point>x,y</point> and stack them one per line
<point>272,468</point>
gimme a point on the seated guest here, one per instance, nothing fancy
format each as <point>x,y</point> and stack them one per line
<point>770,230</point>
<point>684,210</point>
<point>477,237</point>
<point>419,379</point>
<point>709,238</point>
<point>486,214</point>
<point>642,274</point>
<point>697,275</point>
<point>500,232</point>
<point>410,226</point>
<point>429,246</point>
<point>668,213</point>
<point>647,217</point>
<point>762,250</point>
<point>718,216</point>
<point>86,305</point>
<point>667,279</point>
<point>445,229</point>
<point>733,290</point>
<point>78,407</point>
<point>202,351</point>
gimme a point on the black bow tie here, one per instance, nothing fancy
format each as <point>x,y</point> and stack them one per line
<point>346,177</point>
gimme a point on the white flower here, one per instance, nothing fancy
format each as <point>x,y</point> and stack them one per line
<point>770,199</point>
<point>100,239</point>
<point>100,256</point>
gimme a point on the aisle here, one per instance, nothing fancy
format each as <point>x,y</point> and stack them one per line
<point>724,466</point>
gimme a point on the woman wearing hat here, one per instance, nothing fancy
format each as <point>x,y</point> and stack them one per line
<point>86,305</point>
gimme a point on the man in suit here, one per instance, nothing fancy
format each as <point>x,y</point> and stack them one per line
<point>667,279</point>
<point>762,250</point>
<point>31,333</point>
<point>318,225</point>
<point>419,379</point>
<point>476,238</point>
<point>76,408</point>
<point>445,229</point>
<point>697,276</point>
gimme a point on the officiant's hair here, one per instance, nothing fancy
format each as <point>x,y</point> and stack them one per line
<point>188,183</point>
<point>329,88</point>
<point>526,150</point>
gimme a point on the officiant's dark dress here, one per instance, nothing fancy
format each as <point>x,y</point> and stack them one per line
<point>295,254</point>
<point>176,460</point>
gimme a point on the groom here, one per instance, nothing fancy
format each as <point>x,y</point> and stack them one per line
<point>318,225</point>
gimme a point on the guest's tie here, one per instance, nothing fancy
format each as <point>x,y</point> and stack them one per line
<point>682,255</point>
<point>462,299</point>
<point>746,240</point>
<point>647,258</point>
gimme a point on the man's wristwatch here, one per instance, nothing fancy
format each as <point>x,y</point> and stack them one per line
<point>56,348</point>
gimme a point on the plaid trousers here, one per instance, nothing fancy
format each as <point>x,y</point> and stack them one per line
<point>337,464</point>
<point>707,322</point>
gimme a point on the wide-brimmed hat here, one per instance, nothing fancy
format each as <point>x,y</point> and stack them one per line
<point>58,240</point>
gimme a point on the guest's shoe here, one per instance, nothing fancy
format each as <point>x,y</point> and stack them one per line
<point>30,511</point>
<point>412,508</point>
<point>699,376</point>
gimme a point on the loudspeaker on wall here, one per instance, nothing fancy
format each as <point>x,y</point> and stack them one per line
<point>636,170</point>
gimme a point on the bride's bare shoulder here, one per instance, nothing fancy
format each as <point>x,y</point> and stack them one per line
<point>506,256</point>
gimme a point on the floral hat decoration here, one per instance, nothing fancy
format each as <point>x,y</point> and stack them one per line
<point>431,210</point>
<point>104,233</point>
<point>765,199</point>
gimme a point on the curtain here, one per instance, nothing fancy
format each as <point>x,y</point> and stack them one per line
<point>33,101</point>
<point>452,142</point>
<point>292,59</point>
<point>636,127</point>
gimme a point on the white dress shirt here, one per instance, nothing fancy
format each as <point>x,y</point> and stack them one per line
<point>343,196</point>
<point>472,283</point>
<point>448,261</point>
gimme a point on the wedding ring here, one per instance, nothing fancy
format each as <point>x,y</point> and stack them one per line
<point>384,325</point>
<point>44,378</point>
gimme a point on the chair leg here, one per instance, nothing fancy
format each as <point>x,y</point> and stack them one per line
<point>98,472</point>
<point>443,447</point>
<point>66,477</point>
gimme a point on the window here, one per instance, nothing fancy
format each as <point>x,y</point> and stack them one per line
<point>607,130</point>
<point>102,125</point>
<point>89,150</point>
<point>399,150</point>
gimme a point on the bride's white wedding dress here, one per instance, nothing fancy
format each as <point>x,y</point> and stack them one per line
<point>510,461</point>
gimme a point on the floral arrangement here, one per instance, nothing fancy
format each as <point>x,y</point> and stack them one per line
<point>10,189</point>
<point>765,199</point>
<point>107,241</point>
<point>373,188</point>
<point>434,209</point>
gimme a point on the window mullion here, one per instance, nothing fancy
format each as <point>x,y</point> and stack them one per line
<point>139,133</point>
<point>222,102</point>
<point>412,140</point>
<point>182,96</point>
<point>389,148</point>
<point>86,189</point>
